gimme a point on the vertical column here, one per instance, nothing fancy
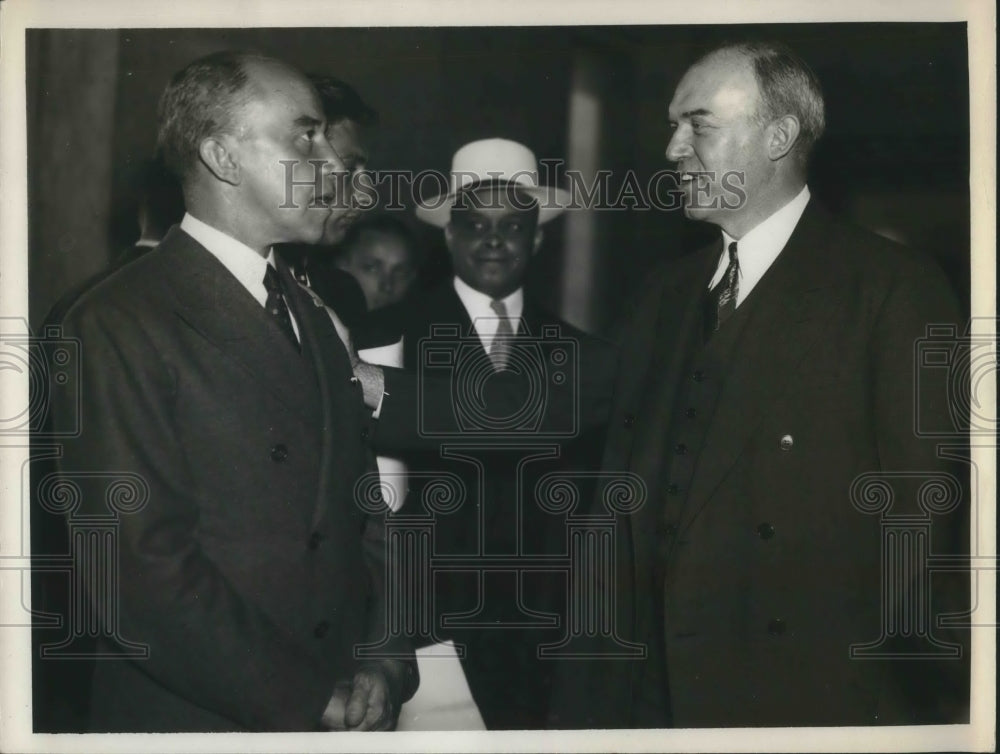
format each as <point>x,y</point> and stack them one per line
<point>93,594</point>
<point>408,583</point>
<point>592,629</point>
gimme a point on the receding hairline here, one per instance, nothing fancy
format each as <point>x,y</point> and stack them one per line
<point>256,90</point>
<point>748,68</point>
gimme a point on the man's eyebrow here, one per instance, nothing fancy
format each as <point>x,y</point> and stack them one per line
<point>693,113</point>
<point>307,120</point>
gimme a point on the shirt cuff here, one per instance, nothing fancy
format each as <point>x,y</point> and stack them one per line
<point>378,408</point>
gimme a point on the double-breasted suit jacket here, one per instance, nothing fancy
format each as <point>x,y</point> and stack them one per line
<point>243,570</point>
<point>752,568</point>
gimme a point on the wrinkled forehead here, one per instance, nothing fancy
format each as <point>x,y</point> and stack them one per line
<point>273,84</point>
<point>723,85</point>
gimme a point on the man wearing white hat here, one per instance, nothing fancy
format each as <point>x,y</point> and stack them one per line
<point>492,219</point>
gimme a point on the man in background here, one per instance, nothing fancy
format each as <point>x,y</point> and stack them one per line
<point>350,128</point>
<point>381,253</point>
<point>492,222</point>
<point>218,392</point>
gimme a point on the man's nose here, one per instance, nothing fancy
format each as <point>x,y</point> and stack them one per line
<point>678,147</point>
<point>493,239</point>
<point>333,164</point>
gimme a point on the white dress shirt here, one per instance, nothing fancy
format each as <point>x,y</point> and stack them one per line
<point>245,264</point>
<point>758,249</point>
<point>484,319</point>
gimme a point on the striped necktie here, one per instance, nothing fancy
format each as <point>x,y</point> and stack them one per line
<point>722,298</point>
<point>500,347</point>
<point>276,305</point>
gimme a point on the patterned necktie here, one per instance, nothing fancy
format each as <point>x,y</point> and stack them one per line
<point>276,305</point>
<point>500,347</point>
<point>722,298</point>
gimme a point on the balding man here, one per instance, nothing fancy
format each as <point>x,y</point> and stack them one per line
<point>221,389</point>
<point>767,391</point>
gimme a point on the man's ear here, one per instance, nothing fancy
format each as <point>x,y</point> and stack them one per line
<point>539,237</point>
<point>215,152</point>
<point>447,235</point>
<point>783,133</point>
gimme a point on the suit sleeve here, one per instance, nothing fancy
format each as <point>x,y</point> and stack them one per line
<point>396,649</point>
<point>910,399</point>
<point>207,643</point>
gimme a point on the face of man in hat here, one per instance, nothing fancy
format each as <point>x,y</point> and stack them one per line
<point>492,235</point>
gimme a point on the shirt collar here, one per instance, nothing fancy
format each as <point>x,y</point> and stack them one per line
<point>477,304</point>
<point>758,249</point>
<point>245,264</point>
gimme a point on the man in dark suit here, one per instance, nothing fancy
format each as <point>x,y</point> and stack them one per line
<point>216,392</point>
<point>761,380</point>
<point>481,316</point>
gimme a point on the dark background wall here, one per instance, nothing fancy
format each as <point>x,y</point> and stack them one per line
<point>895,157</point>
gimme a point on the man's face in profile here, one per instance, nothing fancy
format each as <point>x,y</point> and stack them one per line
<point>286,165</point>
<point>492,235</point>
<point>718,141</point>
<point>350,143</point>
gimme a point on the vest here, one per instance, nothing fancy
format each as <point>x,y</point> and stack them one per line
<point>707,364</point>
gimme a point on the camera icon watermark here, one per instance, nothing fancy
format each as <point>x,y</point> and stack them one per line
<point>546,365</point>
<point>51,364</point>
<point>959,369</point>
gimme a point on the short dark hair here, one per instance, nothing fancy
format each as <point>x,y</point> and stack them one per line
<point>387,224</point>
<point>201,100</point>
<point>341,102</point>
<point>787,86</point>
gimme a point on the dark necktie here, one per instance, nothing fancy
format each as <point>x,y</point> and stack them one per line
<point>500,347</point>
<point>722,298</point>
<point>276,305</point>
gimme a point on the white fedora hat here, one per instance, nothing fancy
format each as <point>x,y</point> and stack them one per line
<point>494,162</point>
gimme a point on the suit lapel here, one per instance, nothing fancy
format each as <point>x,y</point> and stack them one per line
<point>668,341</point>
<point>214,303</point>
<point>666,338</point>
<point>338,402</point>
<point>794,299</point>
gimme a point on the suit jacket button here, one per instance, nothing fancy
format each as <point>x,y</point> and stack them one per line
<point>321,628</point>
<point>786,442</point>
<point>698,375</point>
<point>680,448</point>
<point>364,433</point>
<point>314,540</point>
<point>279,452</point>
<point>691,413</point>
<point>672,489</point>
<point>669,530</point>
<point>765,531</point>
<point>629,421</point>
<point>776,626</point>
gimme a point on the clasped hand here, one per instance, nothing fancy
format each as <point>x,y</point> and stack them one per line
<point>369,702</point>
